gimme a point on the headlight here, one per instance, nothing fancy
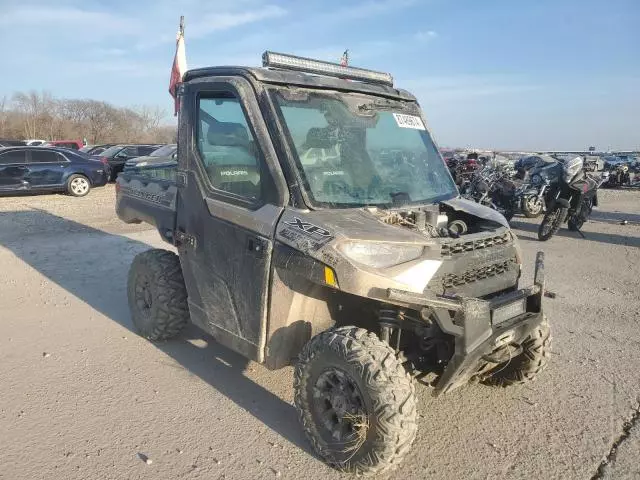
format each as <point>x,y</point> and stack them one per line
<point>380,255</point>
<point>571,168</point>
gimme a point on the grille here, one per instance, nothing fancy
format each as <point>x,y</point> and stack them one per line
<point>475,274</point>
<point>452,248</point>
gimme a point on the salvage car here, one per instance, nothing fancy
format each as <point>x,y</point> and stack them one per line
<point>166,153</point>
<point>117,155</point>
<point>317,225</point>
<point>70,144</point>
<point>44,169</point>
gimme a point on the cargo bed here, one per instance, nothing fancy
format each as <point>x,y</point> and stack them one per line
<point>148,195</point>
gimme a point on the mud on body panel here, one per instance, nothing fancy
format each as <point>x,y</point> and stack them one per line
<point>316,235</point>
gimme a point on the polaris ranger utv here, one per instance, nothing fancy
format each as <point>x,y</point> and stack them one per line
<point>317,225</point>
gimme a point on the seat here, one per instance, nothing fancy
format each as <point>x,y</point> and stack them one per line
<point>232,163</point>
<point>319,147</point>
<point>242,180</point>
<point>228,134</point>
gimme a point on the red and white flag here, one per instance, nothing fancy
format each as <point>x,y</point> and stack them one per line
<point>344,61</point>
<point>178,70</point>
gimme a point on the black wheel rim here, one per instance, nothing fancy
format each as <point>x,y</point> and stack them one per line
<point>339,406</point>
<point>143,296</point>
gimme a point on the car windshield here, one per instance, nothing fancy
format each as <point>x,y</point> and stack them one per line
<point>111,151</point>
<point>164,151</point>
<point>357,150</point>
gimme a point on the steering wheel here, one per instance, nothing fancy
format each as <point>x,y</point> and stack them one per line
<point>335,187</point>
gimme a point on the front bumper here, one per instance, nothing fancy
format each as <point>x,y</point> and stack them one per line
<point>475,325</point>
<point>101,178</point>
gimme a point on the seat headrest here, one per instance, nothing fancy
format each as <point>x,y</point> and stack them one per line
<point>318,138</point>
<point>228,134</point>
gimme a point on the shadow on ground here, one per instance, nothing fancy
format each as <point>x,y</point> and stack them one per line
<point>92,265</point>
<point>614,217</point>
<point>611,238</point>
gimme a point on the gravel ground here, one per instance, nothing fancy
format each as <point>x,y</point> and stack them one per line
<point>84,397</point>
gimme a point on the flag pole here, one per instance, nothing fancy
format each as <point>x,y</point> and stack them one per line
<point>182,24</point>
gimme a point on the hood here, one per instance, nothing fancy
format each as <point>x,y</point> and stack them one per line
<point>303,229</point>
<point>472,208</point>
<point>357,224</point>
<point>149,159</point>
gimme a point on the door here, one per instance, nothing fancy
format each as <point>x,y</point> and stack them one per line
<point>227,213</point>
<point>13,170</point>
<point>146,150</point>
<point>46,168</point>
<point>118,161</point>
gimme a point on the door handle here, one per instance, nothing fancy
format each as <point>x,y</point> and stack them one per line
<point>184,239</point>
<point>256,246</point>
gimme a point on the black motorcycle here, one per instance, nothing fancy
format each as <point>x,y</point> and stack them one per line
<point>493,188</point>
<point>619,176</point>
<point>570,200</point>
<point>537,174</point>
<point>497,188</point>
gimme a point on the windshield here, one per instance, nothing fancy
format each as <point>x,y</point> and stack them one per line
<point>165,151</point>
<point>356,150</point>
<point>111,151</point>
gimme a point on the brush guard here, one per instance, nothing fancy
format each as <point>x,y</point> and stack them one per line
<point>479,326</point>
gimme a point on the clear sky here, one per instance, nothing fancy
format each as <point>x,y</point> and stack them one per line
<point>514,74</point>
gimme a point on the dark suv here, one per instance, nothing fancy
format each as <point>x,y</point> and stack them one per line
<point>117,155</point>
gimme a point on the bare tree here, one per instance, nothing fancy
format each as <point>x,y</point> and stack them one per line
<point>33,115</point>
<point>3,116</point>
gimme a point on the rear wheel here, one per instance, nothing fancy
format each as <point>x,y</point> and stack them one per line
<point>157,294</point>
<point>355,400</point>
<point>78,185</point>
<point>508,213</point>
<point>576,222</point>
<point>551,223</point>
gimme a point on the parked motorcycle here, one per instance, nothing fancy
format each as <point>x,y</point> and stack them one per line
<point>462,170</point>
<point>497,188</point>
<point>541,177</point>
<point>569,200</point>
<point>494,188</point>
<point>619,176</point>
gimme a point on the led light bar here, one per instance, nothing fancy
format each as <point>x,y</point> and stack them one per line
<point>318,67</point>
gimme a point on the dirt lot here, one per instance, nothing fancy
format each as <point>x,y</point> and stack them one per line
<point>83,397</point>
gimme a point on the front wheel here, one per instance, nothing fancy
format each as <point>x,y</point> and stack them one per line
<point>355,400</point>
<point>78,185</point>
<point>551,223</point>
<point>525,366</point>
<point>532,206</point>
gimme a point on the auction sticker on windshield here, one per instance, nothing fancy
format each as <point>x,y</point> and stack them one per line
<point>409,121</point>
